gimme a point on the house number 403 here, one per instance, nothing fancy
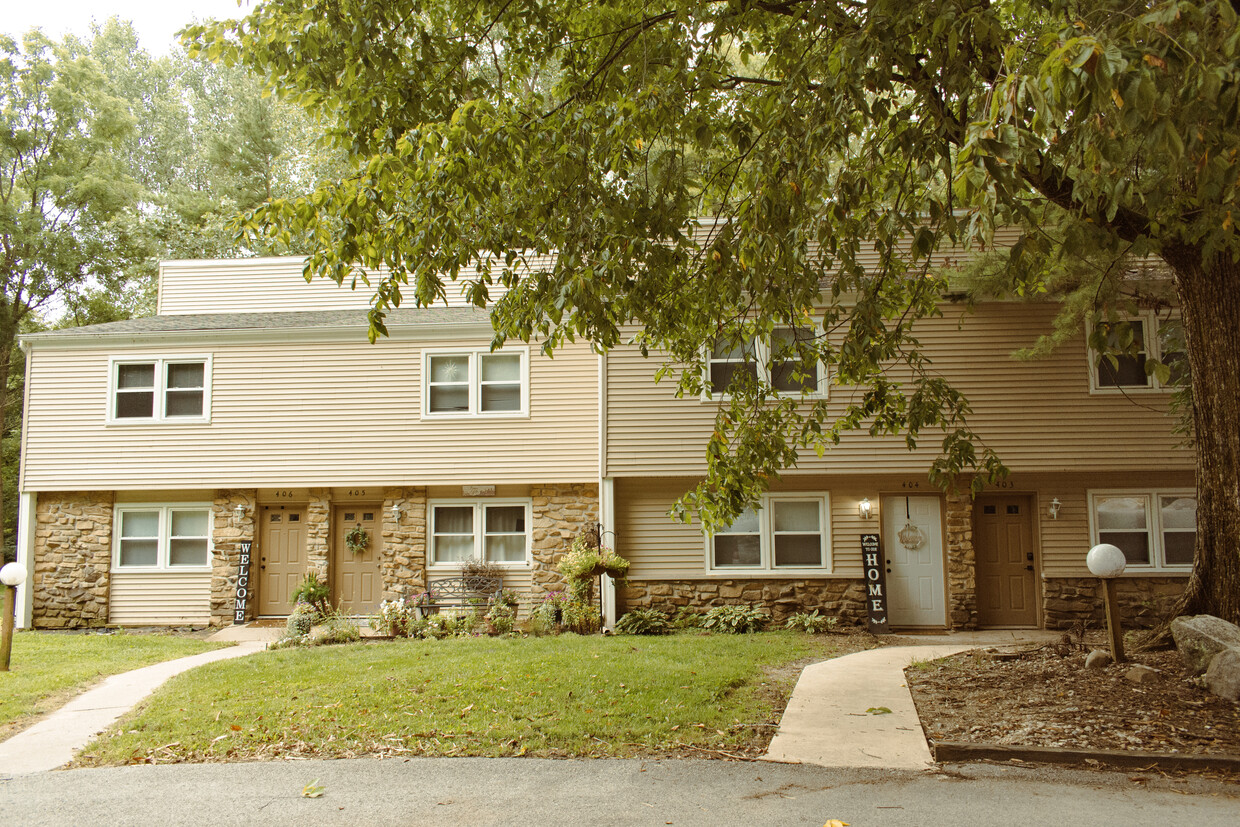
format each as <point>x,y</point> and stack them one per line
<point>910,485</point>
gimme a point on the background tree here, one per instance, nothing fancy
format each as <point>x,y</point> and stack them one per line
<point>66,195</point>
<point>887,123</point>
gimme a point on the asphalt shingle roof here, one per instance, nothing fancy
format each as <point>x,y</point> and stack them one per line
<point>292,320</point>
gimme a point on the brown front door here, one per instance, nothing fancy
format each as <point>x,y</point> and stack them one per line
<point>1005,561</point>
<point>357,583</point>
<point>281,557</point>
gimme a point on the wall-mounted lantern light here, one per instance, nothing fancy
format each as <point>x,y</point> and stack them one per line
<point>238,513</point>
<point>864,509</point>
<point>1053,508</point>
<point>396,509</point>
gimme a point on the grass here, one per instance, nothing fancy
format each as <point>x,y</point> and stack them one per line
<point>562,696</point>
<point>48,668</point>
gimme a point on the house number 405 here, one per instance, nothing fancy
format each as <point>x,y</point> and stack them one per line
<point>357,492</point>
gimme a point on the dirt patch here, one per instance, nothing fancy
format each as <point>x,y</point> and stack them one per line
<point>1047,698</point>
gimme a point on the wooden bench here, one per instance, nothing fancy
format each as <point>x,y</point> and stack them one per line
<point>457,593</point>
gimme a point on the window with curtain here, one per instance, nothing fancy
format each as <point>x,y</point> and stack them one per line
<point>494,531</point>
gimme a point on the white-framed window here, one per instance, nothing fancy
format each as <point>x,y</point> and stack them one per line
<point>497,531</point>
<point>787,532</point>
<point>772,360</point>
<point>174,389</point>
<point>461,382</point>
<point>1155,337</point>
<point>162,537</point>
<point>1155,529</point>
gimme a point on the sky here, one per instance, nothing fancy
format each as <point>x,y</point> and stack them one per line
<point>155,20</point>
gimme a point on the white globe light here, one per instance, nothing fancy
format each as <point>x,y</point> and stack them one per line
<point>13,574</point>
<point>1106,561</point>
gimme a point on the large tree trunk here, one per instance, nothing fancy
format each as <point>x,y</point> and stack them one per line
<point>1210,303</point>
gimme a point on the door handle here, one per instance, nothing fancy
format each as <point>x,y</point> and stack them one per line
<point>1028,568</point>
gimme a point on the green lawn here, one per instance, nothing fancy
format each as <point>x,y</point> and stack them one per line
<point>48,668</point>
<point>551,696</point>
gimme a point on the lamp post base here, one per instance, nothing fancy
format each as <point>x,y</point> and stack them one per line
<point>1113,625</point>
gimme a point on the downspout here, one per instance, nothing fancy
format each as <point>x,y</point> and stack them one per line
<point>24,542</point>
<point>606,493</point>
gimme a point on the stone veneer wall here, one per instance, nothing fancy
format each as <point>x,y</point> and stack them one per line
<point>961,560</point>
<point>403,563</point>
<point>72,559</point>
<point>1143,601</point>
<point>842,598</point>
<point>561,512</point>
<point>227,534</point>
<point>318,532</point>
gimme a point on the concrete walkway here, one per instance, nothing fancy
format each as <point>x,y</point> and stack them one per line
<point>828,721</point>
<point>52,742</point>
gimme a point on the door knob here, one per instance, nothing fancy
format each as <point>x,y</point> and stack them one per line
<point>1028,568</point>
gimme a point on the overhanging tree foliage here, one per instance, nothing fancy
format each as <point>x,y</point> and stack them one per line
<point>808,131</point>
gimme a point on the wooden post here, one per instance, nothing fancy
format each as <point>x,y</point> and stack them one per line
<point>6,626</point>
<point>1113,625</point>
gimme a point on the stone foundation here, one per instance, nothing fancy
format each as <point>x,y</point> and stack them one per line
<point>961,560</point>
<point>841,598</point>
<point>1143,601</point>
<point>318,532</point>
<point>403,563</point>
<point>227,534</point>
<point>72,559</point>
<point>560,513</point>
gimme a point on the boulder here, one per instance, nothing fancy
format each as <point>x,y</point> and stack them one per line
<point>1200,637</point>
<point>1223,676</point>
<point>1098,659</point>
<point>1141,674</point>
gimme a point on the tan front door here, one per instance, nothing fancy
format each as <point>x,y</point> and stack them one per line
<point>1005,565</point>
<point>357,583</point>
<point>281,557</point>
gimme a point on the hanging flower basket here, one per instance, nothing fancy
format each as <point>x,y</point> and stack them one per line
<point>357,540</point>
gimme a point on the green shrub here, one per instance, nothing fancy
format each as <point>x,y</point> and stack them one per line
<point>501,618</point>
<point>687,618</point>
<point>644,622</point>
<point>582,618</point>
<point>336,629</point>
<point>735,620</point>
<point>811,623</point>
<point>314,592</point>
<point>300,620</point>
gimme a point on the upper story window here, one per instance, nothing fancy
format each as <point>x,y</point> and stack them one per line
<point>1153,337</point>
<point>496,531</point>
<point>475,383</point>
<point>162,537</point>
<point>160,390</point>
<point>1154,529</point>
<point>773,361</point>
<point>786,532</point>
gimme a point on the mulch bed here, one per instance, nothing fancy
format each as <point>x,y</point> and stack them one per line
<point>1046,698</point>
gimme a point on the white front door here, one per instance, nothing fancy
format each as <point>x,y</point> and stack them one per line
<point>913,552</point>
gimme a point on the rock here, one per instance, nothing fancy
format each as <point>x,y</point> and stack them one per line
<point>1200,637</point>
<point>1223,675</point>
<point>1142,674</point>
<point>1098,659</point>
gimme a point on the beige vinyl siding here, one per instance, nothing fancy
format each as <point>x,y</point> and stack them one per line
<point>1065,541</point>
<point>660,548</point>
<point>159,599</point>
<point>1038,415</point>
<point>266,285</point>
<point>307,415</point>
